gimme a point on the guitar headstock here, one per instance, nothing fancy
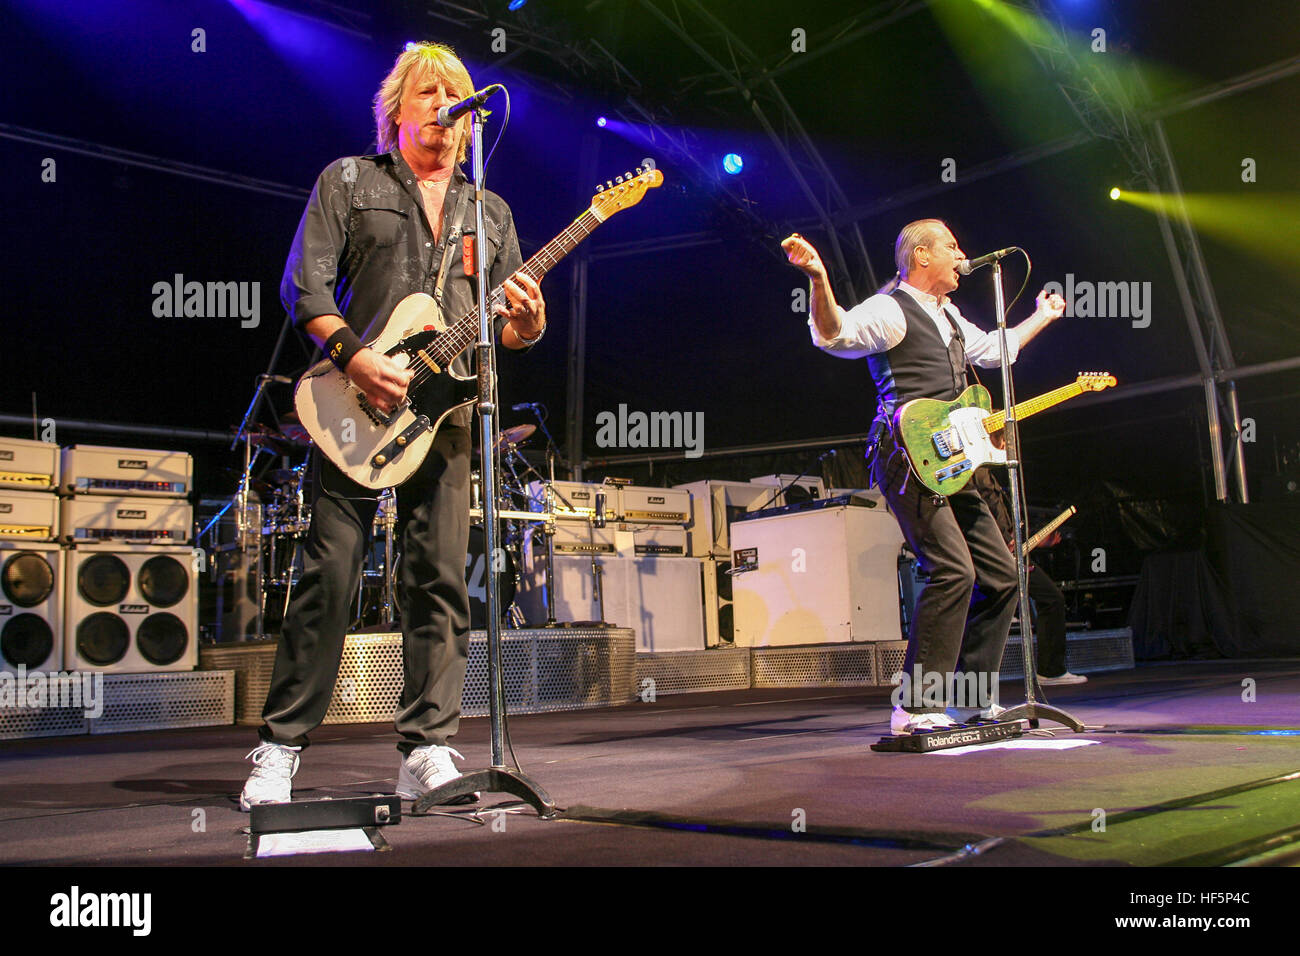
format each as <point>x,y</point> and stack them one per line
<point>624,191</point>
<point>1095,381</point>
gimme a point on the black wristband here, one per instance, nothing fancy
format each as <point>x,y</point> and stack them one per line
<point>341,346</point>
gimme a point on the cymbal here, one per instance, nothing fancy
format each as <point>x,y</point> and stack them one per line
<point>515,435</point>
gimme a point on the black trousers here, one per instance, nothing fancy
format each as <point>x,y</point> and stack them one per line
<point>1049,622</point>
<point>958,544</point>
<point>433,522</point>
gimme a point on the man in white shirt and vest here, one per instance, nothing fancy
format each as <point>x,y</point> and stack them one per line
<point>917,344</point>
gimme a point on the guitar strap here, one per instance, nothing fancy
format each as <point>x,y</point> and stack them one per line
<point>449,242</point>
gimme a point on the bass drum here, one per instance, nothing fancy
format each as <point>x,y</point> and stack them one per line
<point>476,578</point>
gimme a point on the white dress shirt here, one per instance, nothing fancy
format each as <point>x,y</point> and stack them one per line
<point>877,324</point>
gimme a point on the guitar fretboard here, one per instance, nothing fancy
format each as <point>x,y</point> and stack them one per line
<point>465,329</point>
<point>997,420</point>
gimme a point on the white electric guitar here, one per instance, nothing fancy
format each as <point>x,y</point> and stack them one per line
<point>378,449</point>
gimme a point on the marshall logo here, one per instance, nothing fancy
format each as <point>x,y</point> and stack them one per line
<point>6,608</point>
<point>132,513</point>
<point>136,463</point>
<point>6,456</point>
<point>581,494</point>
<point>133,609</point>
<point>6,509</point>
<point>656,500</point>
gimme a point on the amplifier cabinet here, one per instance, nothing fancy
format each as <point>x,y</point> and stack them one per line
<point>29,465</point>
<point>574,499</point>
<point>31,605</point>
<point>819,577</point>
<point>713,505</point>
<point>657,597</point>
<point>98,518</point>
<point>654,505</point>
<point>130,609</point>
<point>136,472</point>
<point>805,488</point>
<point>28,515</point>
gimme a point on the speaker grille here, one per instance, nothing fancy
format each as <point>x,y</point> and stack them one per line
<point>103,638</point>
<point>162,638</point>
<point>28,579</point>
<point>27,640</point>
<point>103,580</point>
<point>163,581</point>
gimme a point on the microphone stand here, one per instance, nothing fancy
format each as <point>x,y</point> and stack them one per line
<point>782,489</point>
<point>1031,709</point>
<point>498,778</point>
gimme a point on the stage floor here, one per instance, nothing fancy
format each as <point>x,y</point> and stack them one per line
<point>725,779</point>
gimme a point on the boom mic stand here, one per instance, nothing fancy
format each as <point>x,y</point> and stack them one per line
<point>1031,709</point>
<point>498,778</point>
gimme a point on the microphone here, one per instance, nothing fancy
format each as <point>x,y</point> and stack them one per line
<point>967,266</point>
<point>523,406</point>
<point>447,115</point>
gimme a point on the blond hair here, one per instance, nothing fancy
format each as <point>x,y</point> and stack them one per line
<point>437,60</point>
<point>921,233</point>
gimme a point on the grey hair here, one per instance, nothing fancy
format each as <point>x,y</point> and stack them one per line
<point>921,233</point>
<point>425,58</point>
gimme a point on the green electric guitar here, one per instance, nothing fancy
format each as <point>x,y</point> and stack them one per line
<point>947,441</point>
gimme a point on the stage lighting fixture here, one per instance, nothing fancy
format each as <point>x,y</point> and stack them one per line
<point>600,121</point>
<point>1114,192</point>
<point>732,163</point>
<point>410,45</point>
<point>516,4</point>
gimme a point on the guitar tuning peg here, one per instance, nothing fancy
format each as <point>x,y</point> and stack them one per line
<point>627,175</point>
<point>618,179</point>
<point>609,184</point>
<point>599,188</point>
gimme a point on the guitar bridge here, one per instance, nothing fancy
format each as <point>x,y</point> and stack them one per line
<point>947,442</point>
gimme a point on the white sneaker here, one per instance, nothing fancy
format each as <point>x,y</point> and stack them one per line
<point>426,768</point>
<point>965,714</point>
<point>1066,678</point>
<point>903,722</point>
<point>272,778</point>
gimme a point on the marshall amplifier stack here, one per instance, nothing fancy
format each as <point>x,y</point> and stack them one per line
<point>31,564</point>
<point>130,597</point>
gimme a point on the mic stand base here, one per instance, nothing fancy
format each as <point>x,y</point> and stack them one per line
<point>1032,710</point>
<point>492,780</point>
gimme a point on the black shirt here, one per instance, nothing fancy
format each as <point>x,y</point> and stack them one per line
<point>364,244</point>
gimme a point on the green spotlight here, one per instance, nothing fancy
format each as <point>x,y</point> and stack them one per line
<point>1114,192</point>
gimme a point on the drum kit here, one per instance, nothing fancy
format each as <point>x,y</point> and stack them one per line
<point>264,527</point>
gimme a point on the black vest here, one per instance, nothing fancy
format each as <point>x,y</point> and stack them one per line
<point>920,366</point>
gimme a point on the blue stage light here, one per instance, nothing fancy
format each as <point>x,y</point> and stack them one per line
<point>732,163</point>
<point>601,121</point>
<point>410,45</point>
<point>516,4</point>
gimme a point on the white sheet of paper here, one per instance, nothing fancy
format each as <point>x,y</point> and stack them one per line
<point>313,841</point>
<point>1014,745</point>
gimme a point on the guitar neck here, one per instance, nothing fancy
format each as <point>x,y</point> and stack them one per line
<point>997,420</point>
<point>1047,529</point>
<point>465,329</point>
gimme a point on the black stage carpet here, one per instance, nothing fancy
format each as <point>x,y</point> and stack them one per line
<point>1183,768</point>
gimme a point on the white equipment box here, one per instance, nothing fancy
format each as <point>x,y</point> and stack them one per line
<point>658,597</point>
<point>28,515</point>
<point>101,470</point>
<point>820,577</point>
<point>812,488</point>
<point>29,465</point>
<point>712,505</point>
<point>91,518</point>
